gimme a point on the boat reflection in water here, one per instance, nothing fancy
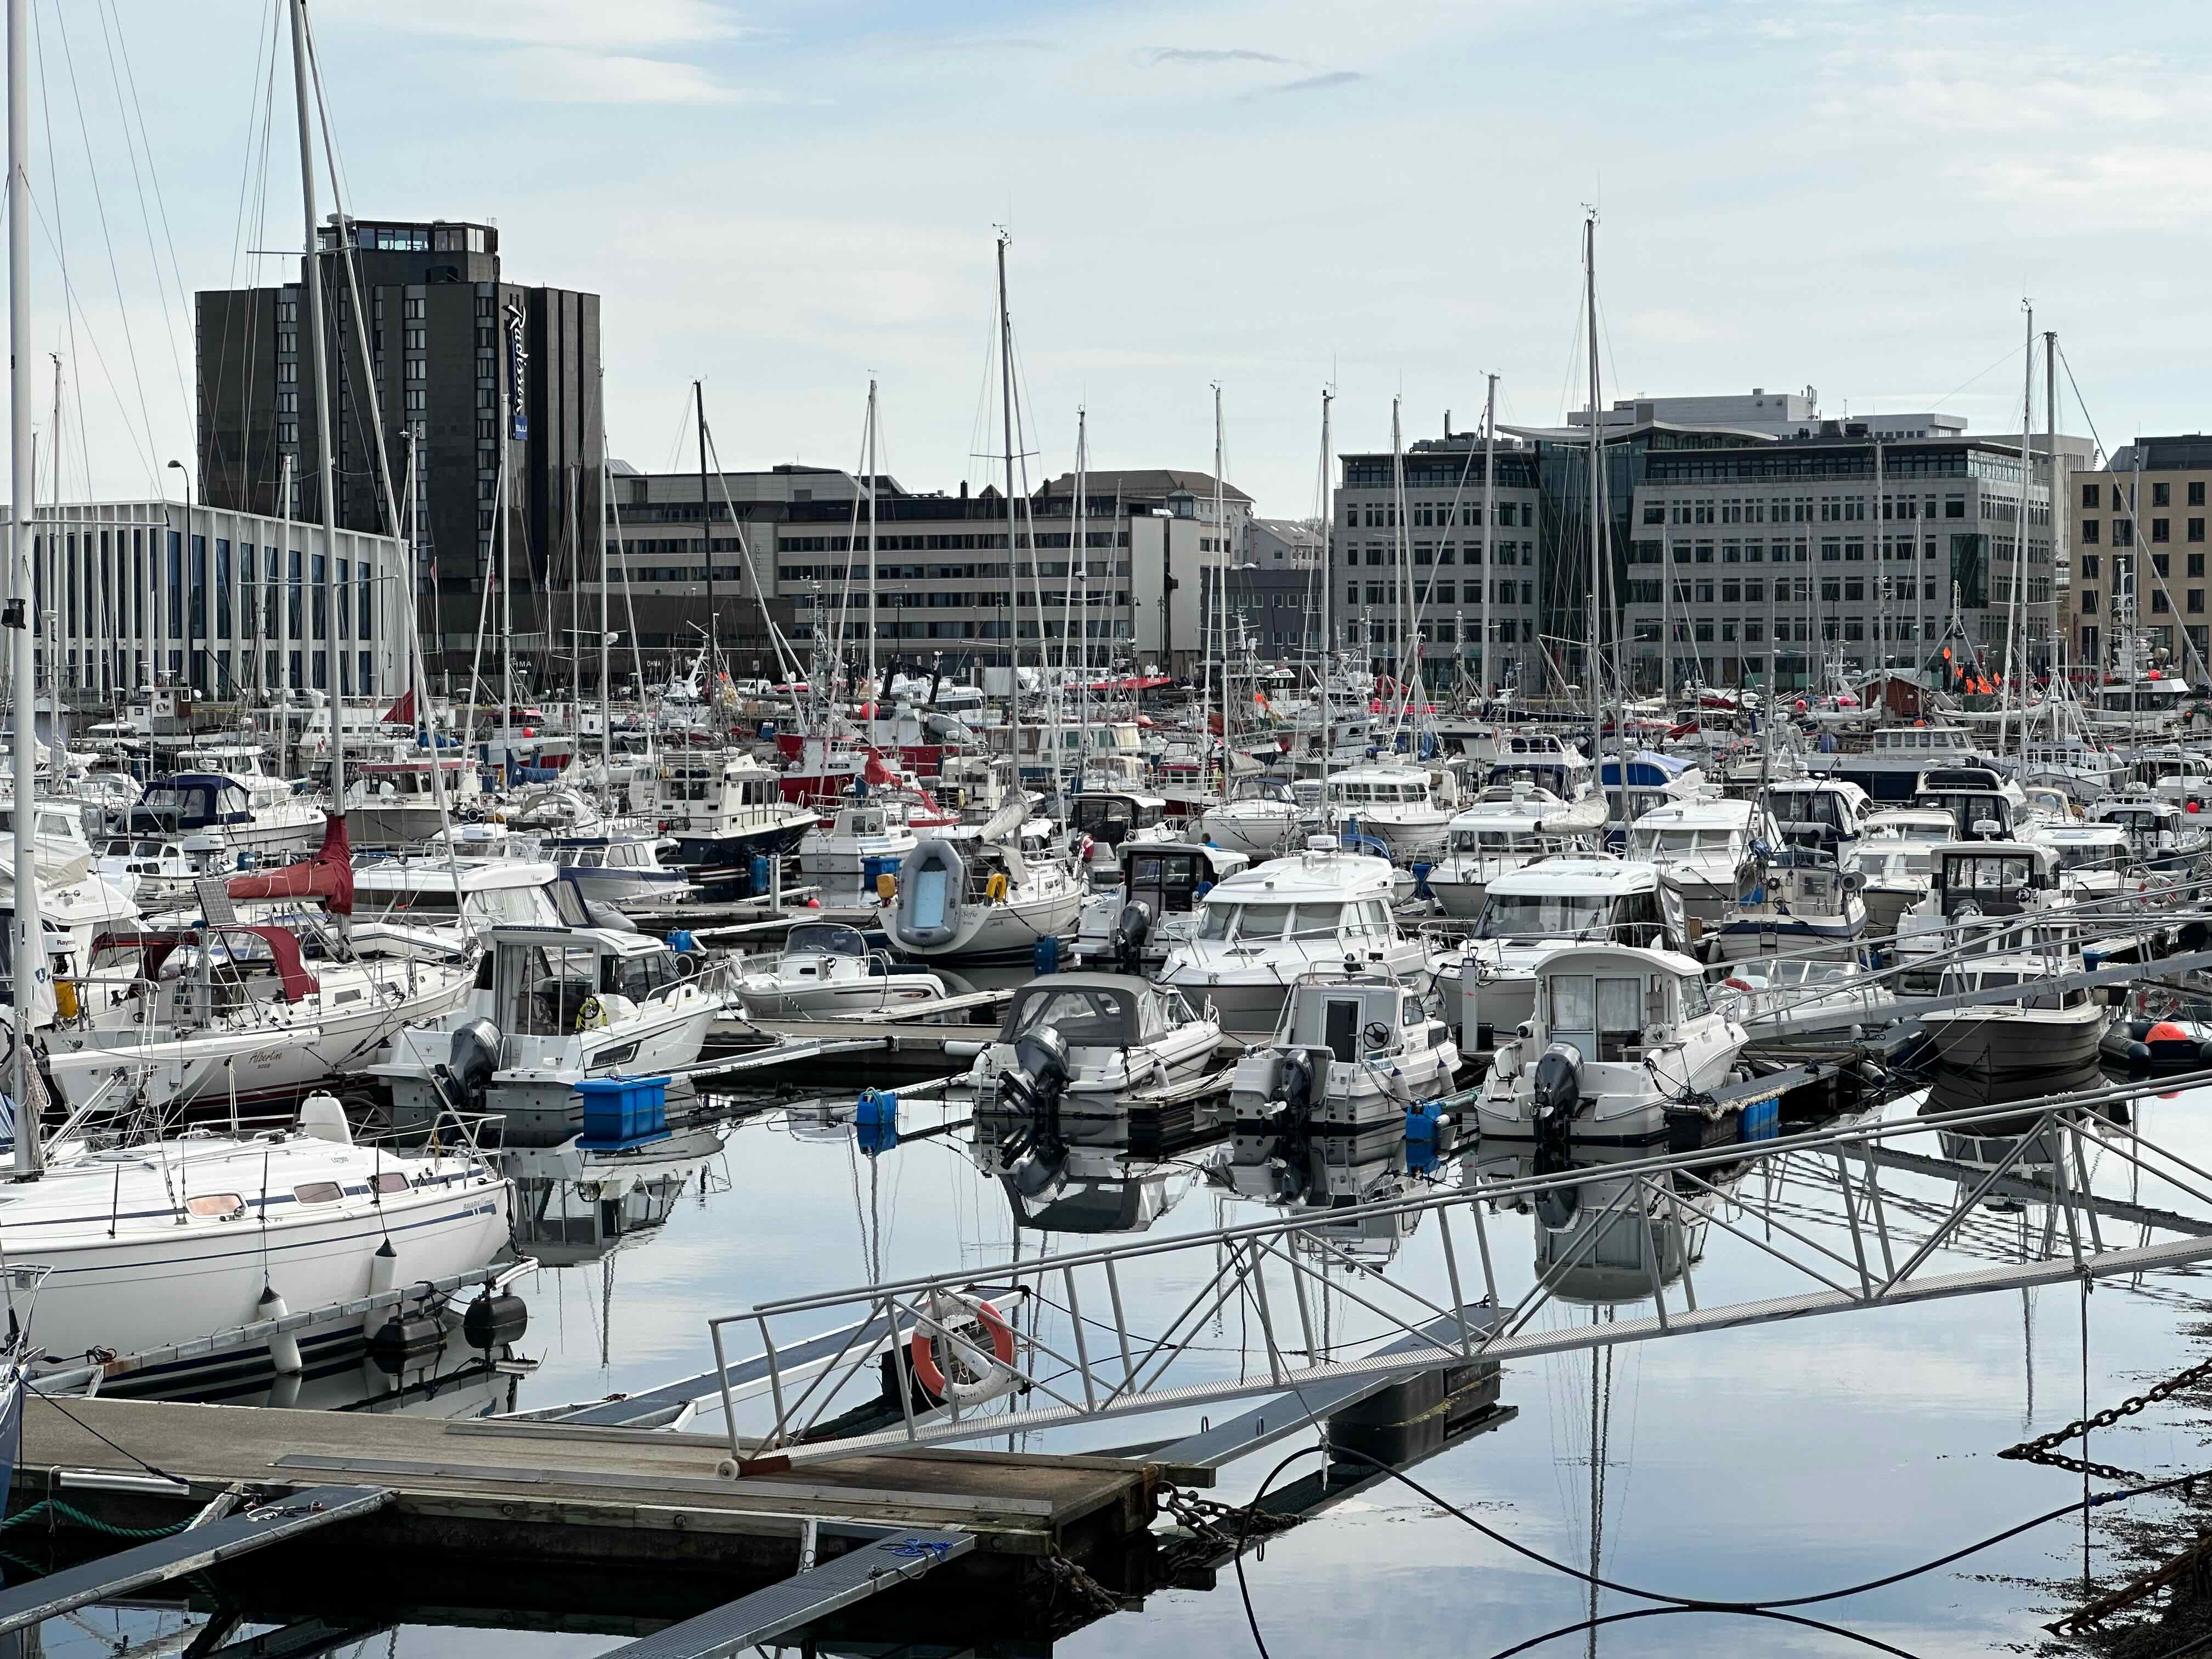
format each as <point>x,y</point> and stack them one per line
<point>574,1206</point>
<point>1076,1174</point>
<point>1302,1171</point>
<point>2027,1145</point>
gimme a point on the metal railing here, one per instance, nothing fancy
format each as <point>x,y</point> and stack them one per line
<point>1634,1232</point>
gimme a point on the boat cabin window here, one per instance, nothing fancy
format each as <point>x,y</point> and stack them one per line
<point>317,1192</point>
<point>542,989</point>
<point>1987,873</point>
<point>1650,843</point>
<point>216,1206</point>
<point>2092,854</point>
<point>1808,806</point>
<point>1086,1017</point>
<point>1603,1015</point>
<point>640,977</point>
<point>1542,916</point>
<point>389,1180</point>
<point>827,939</point>
<point>1316,920</point>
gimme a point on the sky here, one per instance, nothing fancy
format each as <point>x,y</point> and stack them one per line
<point>785,199</point>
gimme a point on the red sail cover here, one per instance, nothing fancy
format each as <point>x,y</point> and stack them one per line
<point>328,876</point>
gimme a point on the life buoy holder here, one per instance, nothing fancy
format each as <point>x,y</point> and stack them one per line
<point>980,1373</point>
<point>995,889</point>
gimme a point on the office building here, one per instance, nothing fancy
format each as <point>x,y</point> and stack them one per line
<point>2138,533</point>
<point>125,604</point>
<point>487,388</point>
<point>1776,414</point>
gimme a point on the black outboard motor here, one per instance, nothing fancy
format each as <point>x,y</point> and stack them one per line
<point>470,1062</point>
<point>1131,929</point>
<point>1294,1090</point>
<point>1557,1094</point>
<point>1033,1088</point>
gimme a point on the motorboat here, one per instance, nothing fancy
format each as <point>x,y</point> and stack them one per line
<point>165,1241</point>
<point>1400,807</point>
<point>401,801</point>
<point>1262,817</point>
<point>1984,805</point>
<point>1889,768</point>
<point>1978,891</point>
<point>2042,1030</point>
<point>866,839</point>
<point>1085,1042</point>
<point>979,898</point>
<point>462,897</point>
<point>1262,928</point>
<point>1352,1052</point>
<point>1546,759</point>
<point>550,1007</point>
<point>1895,859</point>
<point>2163,835</point>
<point>1511,825</point>
<point>1534,912</point>
<point>616,869</point>
<point>1114,818</point>
<point>1621,1034</point>
<point>1166,880</point>
<point>1700,847</point>
<point>725,809</point>
<point>1804,1003</point>
<point>2096,861</point>
<point>1825,814</point>
<point>1793,901</point>
<point>826,970</point>
<point>238,811</point>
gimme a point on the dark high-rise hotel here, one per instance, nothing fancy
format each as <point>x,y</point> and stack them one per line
<point>463,364</point>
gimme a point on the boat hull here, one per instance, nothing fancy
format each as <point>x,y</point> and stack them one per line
<point>2009,1044</point>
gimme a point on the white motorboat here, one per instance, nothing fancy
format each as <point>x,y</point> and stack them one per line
<point>1263,928</point>
<point>1825,814</point>
<point>1792,1004</point>
<point>551,1007</point>
<point>457,897</point>
<point>163,1241</point>
<point>1088,1041</point>
<point>1546,759</point>
<point>1794,903</point>
<point>1978,890</point>
<point>1700,847</point>
<point>1403,808</point>
<point>1534,912</point>
<point>826,970</point>
<point>394,801</point>
<point>2042,1032</point>
<point>616,869</point>
<point>1263,816</point>
<point>1896,858</point>
<point>2163,836</point>
<point>1508,828</point>
<point>1167,880</point>
<point>1114,818</point>
<point>1984,804</point>
<point>1352,1052</point>
<point>2096,861</point>
<point>1621,1034</point>
<point>235,809</point>
<point>1889,768</point>
<point>962,899</point>
<point>866,839</point>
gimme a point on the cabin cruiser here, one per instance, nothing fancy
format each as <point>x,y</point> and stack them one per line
<point>1983,804</point>
<point>1652,779</point>
<point>1532,913</point>
<point>2163,836</point>
<point>1825,814</point>
<point>615,869</point>
<point>1168,879</point>
<point>235,813</point>
<point>1895,859</point>
<point>1510,826</point>
<point>2085,772</point>
<point>1548,760</point>
<point>1352,1052</point>
<point>238,1014</point>
<point>396,802</point>
<point>550,1007</point>
<point>1116,818</point>
<point>1087,1042</point>
<point>1977,890</point>
<point>2040,1032</point>
<point>725,809</point>
<point>1619,1035</point>
<point>1262,927</point>
<point>865,839</point>
<point>165,1241</point>
<point>1263,816</point>
<point>2138,703</point>
<point>1800,1003</point>
<point>981,897</point>
<point>826,970</point>
<point>465,898</point>
<point>1700,847</point>
<point>1793,903</point>
<point>1400,807</point>
<point>1890,768</point>
<point>2096,861</point>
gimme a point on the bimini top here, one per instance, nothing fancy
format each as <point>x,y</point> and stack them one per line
<point>1089,1010</point>
<point>1578,876</point>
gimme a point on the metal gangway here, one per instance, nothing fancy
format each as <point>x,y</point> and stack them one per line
<point>1049,1342</point>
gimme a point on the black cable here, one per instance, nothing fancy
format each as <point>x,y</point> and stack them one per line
<point>103,1439</point>
<point>1873,1641</point>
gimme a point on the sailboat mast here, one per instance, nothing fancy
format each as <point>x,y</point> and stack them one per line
<point>1401,560</point>
<point>1013,566</point>
<point>875,694</point>
<point>606,639</point>
<point>1594,673</point>
<point>1327,575</point>
<point>2058,509</point>
<point>2017,600</point>
<point>706,541</point>
<point>1489,515</point>
<point>1221,585</point>
<point>1079,572</point>
<point>317,353</point>
<point>284,623</point>
<point>27,945</point>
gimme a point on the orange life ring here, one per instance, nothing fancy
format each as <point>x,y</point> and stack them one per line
<point>921,1349</point>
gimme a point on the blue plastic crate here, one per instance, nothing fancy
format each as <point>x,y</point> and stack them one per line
<point>622,1111</point>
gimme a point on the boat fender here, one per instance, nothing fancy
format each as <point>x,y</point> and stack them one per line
<point>495,1320</point>
<point>283,1345</point>
<point>65,1003</point>
<point>980,1372</point>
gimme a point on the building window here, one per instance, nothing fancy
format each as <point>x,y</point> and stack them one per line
<point>2089,531</point>
<point>2196,530</point>
<point>2123,532</point>
<point>2161,529</point>
<point>2090,567</point>
<point>2158,607</point>
<point>2159,563</point>
<point>2091,496</point>
<point>2161,494</point>
<point>2088,601</point>
<point>2196,601</point>
<point>413,310</point>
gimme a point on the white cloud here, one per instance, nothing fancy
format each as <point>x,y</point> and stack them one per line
<point>561,75</point>
<point>2123,187</point>
<point>578,23</point>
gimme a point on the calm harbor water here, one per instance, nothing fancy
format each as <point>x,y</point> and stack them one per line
<point>1766,1462</point>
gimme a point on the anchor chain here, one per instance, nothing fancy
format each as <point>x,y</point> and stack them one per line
<point>2043,1449</point>
<point>1076,1598</point>
<point>1217,1527</point>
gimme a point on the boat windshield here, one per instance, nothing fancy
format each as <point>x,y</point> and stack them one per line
<point>1928,833</point>
<point>1086,1017</point>
<point>1501,841</point>
<point>1986,873</point>
<point>1650,843</point>
<point>1542,916</point>
<point>2092,855</point>
<point>1808,806</point>
<point>1253,923</point>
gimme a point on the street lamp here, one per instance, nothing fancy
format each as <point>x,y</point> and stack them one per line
<point>185,565</point>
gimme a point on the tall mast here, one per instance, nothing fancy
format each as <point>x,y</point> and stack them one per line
<point>1014,584</point>
<point>875,693</point>
<point>325,483</point>
<point>2058,509</point>
<point>706,542</point>
<point>1327,575</point>
<point>1883,618</point>
<point>1593,674</point>
<point>1221,585</point>
<point>506,600</point>
<point>28,945</point>
<point>1401,558</point>
<point>284,623</point>
<point>606,639</point>
<point>1080,563</point>
<point>2018,598</point>
<point>1489,515</point>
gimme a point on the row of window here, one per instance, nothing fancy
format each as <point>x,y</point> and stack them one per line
<point>1502,592</point>
<point>2122,531</point>
<point>2161,494</point>
<point>1384,516</point>
<point>1508,553</point>
<point>2193,601</point>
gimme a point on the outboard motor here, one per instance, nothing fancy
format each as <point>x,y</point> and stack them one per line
<point>1131,929</point>
<point>470,1061</point>
<point>1557,1093</point>
<point>1033,1087</point>
<point>1294,1088</point>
